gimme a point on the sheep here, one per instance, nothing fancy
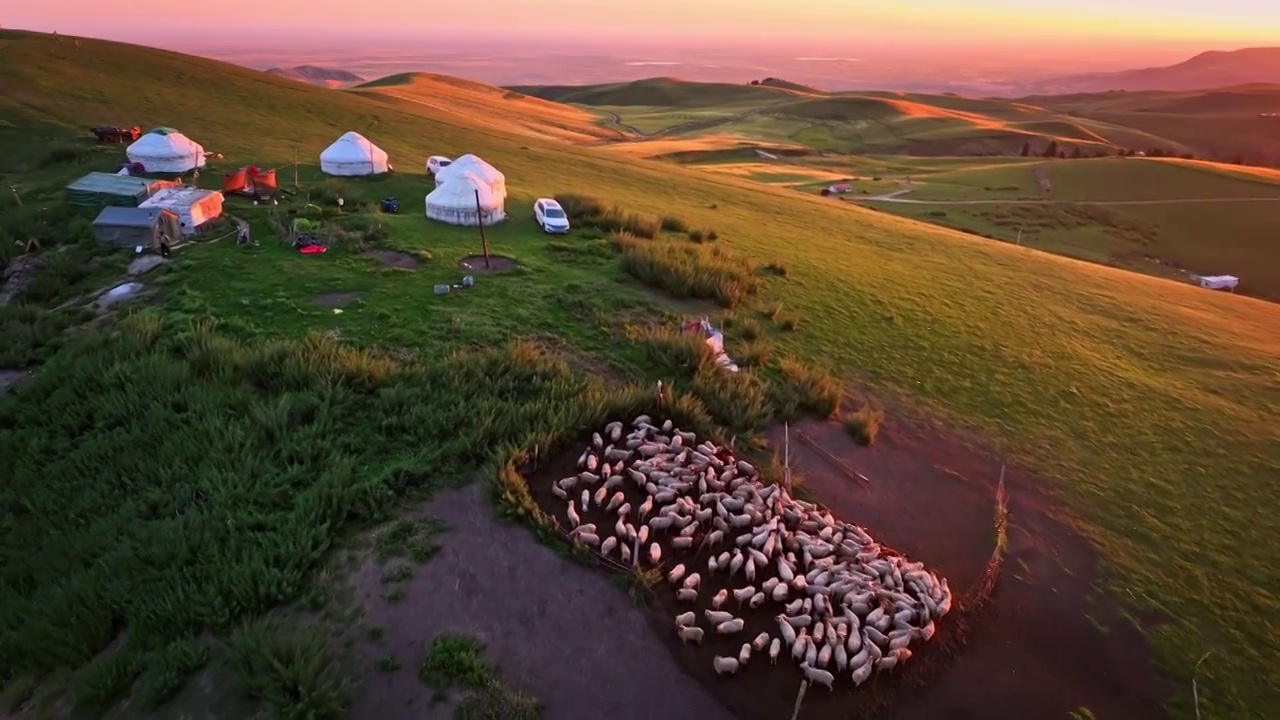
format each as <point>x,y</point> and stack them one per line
<point>850,604</point>
<point>760,641</point>
<point>731,627</point>
<point>724,665</point>
<point>676,573</point>
<point>715,617</point>
<point>817,675</point>
<point>686,618</point>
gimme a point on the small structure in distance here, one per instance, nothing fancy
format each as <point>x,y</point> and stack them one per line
<point>354,155</point>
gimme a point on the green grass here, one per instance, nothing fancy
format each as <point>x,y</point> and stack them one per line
<point>1107,179</point>
<point>302,425</point>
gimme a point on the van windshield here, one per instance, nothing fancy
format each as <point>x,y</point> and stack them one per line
<point>554,213</point>
<point>445,163</point>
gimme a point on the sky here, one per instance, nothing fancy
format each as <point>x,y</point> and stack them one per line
<point>1127,30</point>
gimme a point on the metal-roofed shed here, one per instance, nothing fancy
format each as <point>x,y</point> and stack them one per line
<point>99,189</point>
<point>132,226</point>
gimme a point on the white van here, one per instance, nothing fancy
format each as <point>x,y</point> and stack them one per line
<point>436,163</point>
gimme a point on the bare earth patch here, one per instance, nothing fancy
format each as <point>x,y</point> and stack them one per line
<point>335,299</point>
<point>1036,650</point>
<point>1032,650</point>
<point>11,378</point>
<point>557,630</point>
<point>392,258</point>
<point>497,264</point>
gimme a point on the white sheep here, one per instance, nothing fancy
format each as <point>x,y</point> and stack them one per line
<point>817,675</point>
<point>731,627</point>
<point>725,665</point>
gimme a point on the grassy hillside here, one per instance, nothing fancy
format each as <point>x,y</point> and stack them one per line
<point>484,105</point>
<point>658,92</point>
<point>1219,124</point>
<point>189,469</point>
<point>849,122</point>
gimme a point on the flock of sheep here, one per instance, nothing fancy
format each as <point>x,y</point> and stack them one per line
<point>846,607</point>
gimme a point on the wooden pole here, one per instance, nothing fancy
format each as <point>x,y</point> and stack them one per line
<point>295,167</point>
<point>484,241</point>
<point>795,712</point>
<point>786,454</point>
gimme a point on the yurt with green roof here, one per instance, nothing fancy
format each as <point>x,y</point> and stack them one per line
<point>165,150</point>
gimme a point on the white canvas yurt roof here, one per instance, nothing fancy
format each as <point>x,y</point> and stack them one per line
<point>353,154</point>
<point>166,150</point>
<point>454,202</point>
<point>486,173</point>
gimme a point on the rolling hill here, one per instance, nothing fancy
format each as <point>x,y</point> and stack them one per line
<point>883,122</point>
<point>477,104</point>
<point>327,77</point>
<point>1213,69</point>
<point>1225,124</point>
<point>179,472</point>
<point>665,92</point>
<point>1229,124</point>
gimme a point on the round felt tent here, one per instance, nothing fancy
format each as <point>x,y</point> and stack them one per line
<point>165,150</point>
<point>486,173</point>
<point>465,200</point>
<point>353,154</point>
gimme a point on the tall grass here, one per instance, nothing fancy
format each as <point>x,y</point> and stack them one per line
<point>588,211</point>
<point>232,466</point>
<point>688,270</point>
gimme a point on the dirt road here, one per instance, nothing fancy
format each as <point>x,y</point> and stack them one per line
<point>897,197</point>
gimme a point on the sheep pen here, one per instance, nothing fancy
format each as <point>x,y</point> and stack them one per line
<point>750,576</point>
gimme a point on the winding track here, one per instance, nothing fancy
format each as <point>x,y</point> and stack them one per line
<point>897,197</point>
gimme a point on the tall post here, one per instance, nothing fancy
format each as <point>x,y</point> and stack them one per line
<point>786,454</point>
<point>295,167</point>
<point>484,241</point>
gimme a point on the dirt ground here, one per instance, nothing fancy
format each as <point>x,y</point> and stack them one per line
<point>558,630</point>
<point>497,264</point>
<point>1036,649</point>
<point>1033,650</point>
<point>392,258</point>
<point>335,299</point>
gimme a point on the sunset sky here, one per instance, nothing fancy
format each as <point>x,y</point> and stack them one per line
<point>999,25</point>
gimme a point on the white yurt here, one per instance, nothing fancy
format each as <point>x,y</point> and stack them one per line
<point>165,150</point>
<point>455,203</point>
<point>469,163</point>
<point>353,154</point>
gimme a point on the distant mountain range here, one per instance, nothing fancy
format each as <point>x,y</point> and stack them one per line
<point>327,77</point>
<point>1214,69</point>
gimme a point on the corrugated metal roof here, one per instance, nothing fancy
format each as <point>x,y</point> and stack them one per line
<point>127,216</point>
<point>98,182</point>
<point>182,196</point>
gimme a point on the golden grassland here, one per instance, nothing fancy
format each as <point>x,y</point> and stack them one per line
<point>1147,405</point>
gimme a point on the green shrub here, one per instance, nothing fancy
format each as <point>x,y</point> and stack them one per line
<point>863,424</point>
<point>686,270</point>
<point>674,224</point>
<point>290,669</point>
